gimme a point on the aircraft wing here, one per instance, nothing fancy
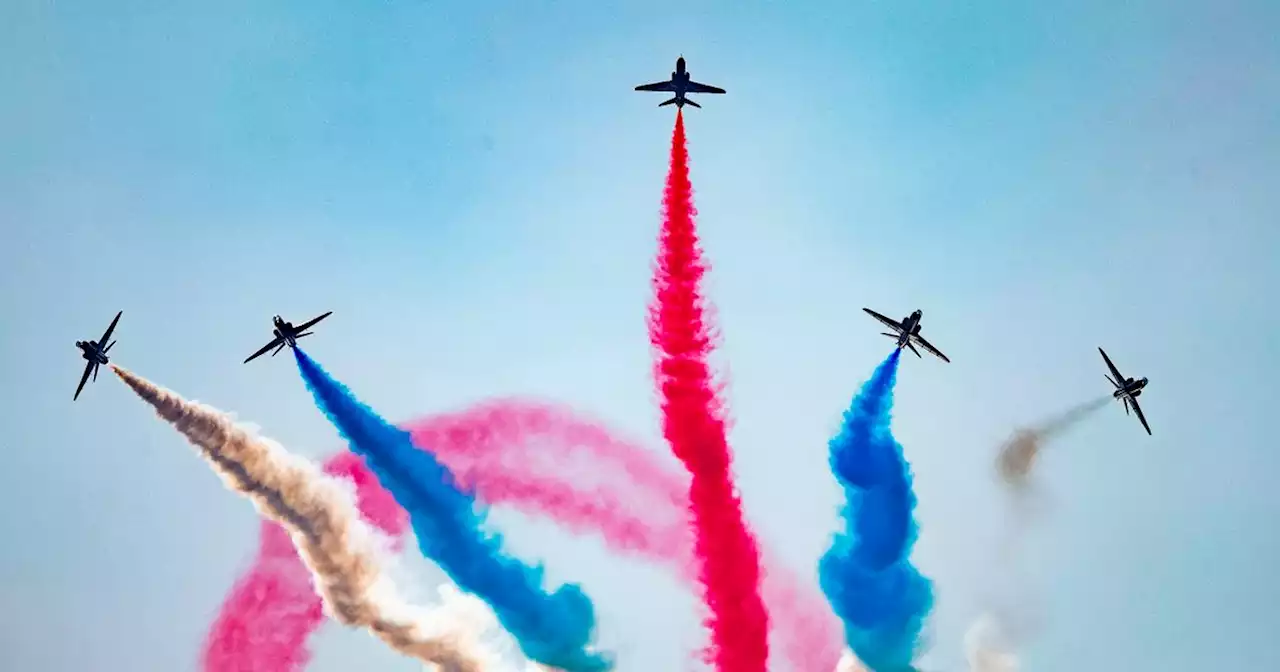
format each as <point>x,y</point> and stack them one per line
<point>1137,410</point>
<point>695,87</point>
<point>657,86</point>
<point>274,342</point>
<point>932,350</point>
<point>887,322</point>
<point>1119,379</point>
<point>106,337</point>
<point>88,368</point>
<point>303,327</point>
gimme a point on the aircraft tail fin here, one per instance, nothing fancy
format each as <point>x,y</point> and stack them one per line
<point>108,348</point>
<point>913,349</point>
<point>885,333</point>
<point>690,102</point>
<point>306,333</point>
<point>668,102</point>
<point>1114,383</point>
<point>277,350</point>
<point>1126,405</point>
<point>95,372</point>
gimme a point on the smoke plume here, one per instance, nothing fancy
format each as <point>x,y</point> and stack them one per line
<point>728,559</point>
<point>544,460</point>
<point>867,573</point>
<point>337,547</point>
<point>555,628</point>
<point>1012,616</point>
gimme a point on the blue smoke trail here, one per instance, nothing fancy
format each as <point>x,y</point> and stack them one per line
<point>867,573</point>
<point>553,629</point>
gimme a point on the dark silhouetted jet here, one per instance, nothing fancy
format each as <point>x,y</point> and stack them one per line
<point>285,334</point>
<point>95,354</point>
<point>1127,391</point>
<point>679,84</point>
<point>908,333</point>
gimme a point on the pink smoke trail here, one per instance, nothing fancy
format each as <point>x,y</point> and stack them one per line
<point>329,532</point>
<point>272,610</point>
<point>639,509</point>
<point>637,506</point>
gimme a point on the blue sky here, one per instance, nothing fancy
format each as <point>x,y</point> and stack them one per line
<point>474,190</point>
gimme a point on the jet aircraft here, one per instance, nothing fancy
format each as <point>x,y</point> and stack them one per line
<point>1127,391</point>
<point>680,84</point>
<point>908,333</point>
<point>95,354</point>
<point>286,334</point>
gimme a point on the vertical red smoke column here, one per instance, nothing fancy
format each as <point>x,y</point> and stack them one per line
<point>728,561</point>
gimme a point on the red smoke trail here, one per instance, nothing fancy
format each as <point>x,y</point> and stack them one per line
<point>693,423</point>
<point>268,617</point>
<point>810,634</point>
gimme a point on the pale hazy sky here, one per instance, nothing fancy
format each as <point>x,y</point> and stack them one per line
<point>473,188</point>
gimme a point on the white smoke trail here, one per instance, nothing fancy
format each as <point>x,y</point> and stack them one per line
<point>988,649</point>
<point>341,551</point>
<point>849,663</point>
<point>992,642</point>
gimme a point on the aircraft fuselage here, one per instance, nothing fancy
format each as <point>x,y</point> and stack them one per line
<point>680,79</point>
<point>284,331</point>
<point>910,327</point>
<point>92,352</point>
<point>1131,388</point>
<point>286,334</point>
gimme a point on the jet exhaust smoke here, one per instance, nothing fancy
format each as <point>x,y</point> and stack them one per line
<point>335,545</point>
<point>693,424</point>
<point>867,574</point>
<point>265,621</point>
<point>1017,456</point>
<point>849,663</point>
<point>640,511</point>
<point>1011,617</point>
<point>554,629</point>
<point>541,459</point>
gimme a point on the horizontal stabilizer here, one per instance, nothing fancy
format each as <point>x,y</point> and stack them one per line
<point>667,102</point>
